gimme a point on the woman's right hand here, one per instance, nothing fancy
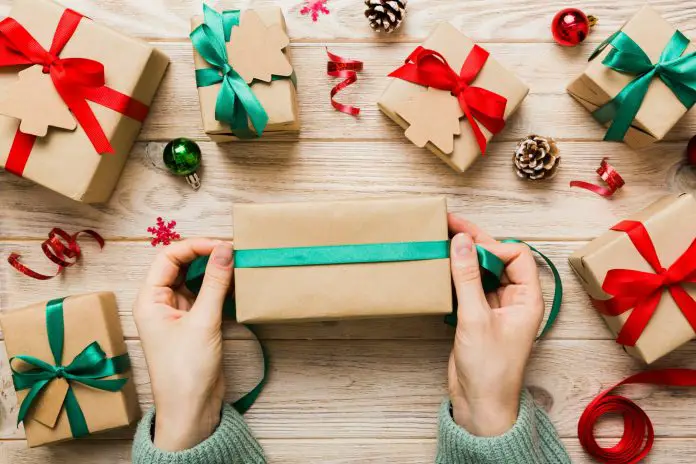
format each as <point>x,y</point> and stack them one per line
<point>495,332</point>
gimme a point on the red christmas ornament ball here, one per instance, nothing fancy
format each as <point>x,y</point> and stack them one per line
<point>691,152</point>
<point>570,26</point>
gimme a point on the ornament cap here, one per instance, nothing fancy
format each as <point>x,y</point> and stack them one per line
<point>593,20</point>
<point>194,181</point>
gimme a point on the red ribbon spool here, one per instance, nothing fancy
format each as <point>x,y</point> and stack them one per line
<point>609,175</point>
<point>347,69</point>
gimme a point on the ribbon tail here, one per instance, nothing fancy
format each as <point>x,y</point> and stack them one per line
<point>76,418</point>
<point>478,133</point>
<point>30,398</point>
<point>686,303</point>
<point>623,108</point>
<point>638,319</point>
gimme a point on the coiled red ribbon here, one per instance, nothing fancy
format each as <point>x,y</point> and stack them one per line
<point>77,80</point>
<point>638,436</point>
<point>345,68</point>
<point>61,248</point>
<point>429,68</point>
<point>642,291</point>
<point>609,175</point>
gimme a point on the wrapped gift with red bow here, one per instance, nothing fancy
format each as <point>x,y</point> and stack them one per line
<point>452,97</point>
<point>641,277</point>
<point>73,97</point>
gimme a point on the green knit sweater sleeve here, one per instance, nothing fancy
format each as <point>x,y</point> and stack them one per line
<point>532,440</point>
<point>231,443</point>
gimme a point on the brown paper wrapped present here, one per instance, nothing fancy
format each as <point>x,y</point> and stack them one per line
<point>670,225</point>
<point>257,52</point>
<point>94,123</point>
<point>87,319</point>
<point>661,108</point>
<point>433,117</point>
<point>282,291</point>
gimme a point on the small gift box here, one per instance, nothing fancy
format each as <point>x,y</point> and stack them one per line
<point>641,276</point>
<point>91,84</point>
<point>246,83</point>
<point>452,97</point>
<point>342,259</point>
<point>70,368</point>
<point>640,81</point>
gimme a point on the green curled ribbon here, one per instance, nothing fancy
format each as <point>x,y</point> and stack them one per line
<point>676,71</point>
<point>88,368</point>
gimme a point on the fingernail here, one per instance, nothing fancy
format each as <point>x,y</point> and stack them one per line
<point>222,254</point>
<point>462,244</point>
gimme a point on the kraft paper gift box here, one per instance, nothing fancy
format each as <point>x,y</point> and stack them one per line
<point>257,50</point>
<point>62,157</point>
<point>661,109</point>
<point>433,119</point>
<point>86,319</point>
<point>336,291</point>
<point>671,226</point>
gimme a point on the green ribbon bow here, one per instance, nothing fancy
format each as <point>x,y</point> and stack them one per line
<point>676,71</point>
<point>88,368</point>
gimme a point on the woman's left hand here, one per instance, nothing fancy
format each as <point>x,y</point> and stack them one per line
<point>182,341</point>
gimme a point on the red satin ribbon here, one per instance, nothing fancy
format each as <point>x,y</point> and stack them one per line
<point>609,175</point>
<point>344,68</point>
<point>77,81</point>
<point>642,291</point>
<point>61,248</point>
<point>638,436</point>
<point>429,68</point>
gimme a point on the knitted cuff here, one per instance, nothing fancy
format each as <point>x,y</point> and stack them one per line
<point>231,443</point>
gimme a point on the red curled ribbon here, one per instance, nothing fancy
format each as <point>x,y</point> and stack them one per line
<point>609,175</point>
<point>345,68</point>
<point>642,291</point>
<point>61,248</point>
<point>638,436</point>
<point>430,68</point>
<point>77,81</point>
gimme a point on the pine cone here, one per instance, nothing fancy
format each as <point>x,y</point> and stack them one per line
<point>536,158</point>
<point>385,15</point>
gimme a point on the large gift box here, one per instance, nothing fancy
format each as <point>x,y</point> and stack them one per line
<point>640,81</point>
<point>91,84</point>
<point>341,259</point>
<point>641,276</point>
<point>246,82</point>
<point>70,367</point>
<point>452,97</point>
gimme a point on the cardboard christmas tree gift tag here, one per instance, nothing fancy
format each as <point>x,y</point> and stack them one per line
<point>644,39</point>
<point>71,117</point>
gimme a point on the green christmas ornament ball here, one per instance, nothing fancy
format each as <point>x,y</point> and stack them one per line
<point>182,157</point>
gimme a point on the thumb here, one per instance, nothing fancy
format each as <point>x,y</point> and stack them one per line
<point>216,283</point>
<point>467,277</point>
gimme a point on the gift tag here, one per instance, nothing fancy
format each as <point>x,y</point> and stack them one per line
<point>33,99</point>
<point>48,405</point>
<point>256,50</point>
<point>433,116</point>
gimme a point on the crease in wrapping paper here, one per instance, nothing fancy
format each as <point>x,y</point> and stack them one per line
<point>25,333</point>
<point>278,97</point>
<point>598,84</point>
<point>670,223</point>
<point>455,47</point>
<point>349,290</point>
<point>66,161</point>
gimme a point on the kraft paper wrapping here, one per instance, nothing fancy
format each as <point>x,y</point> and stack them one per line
<point>88,318</point>
<point>65,161</point>
<point>278,98</point>
<point>670,222</point>
<point>661,109</point>
<point>341,291</point>
<point>455,47</point>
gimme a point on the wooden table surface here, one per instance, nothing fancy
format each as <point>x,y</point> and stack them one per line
<point>366,391</point>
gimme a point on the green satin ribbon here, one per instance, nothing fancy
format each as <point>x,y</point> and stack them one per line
<point>88,368</point>
<point>676,71</point>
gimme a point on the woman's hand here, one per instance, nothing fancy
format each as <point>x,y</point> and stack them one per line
<point>182,341</point>
<point>495,332</point>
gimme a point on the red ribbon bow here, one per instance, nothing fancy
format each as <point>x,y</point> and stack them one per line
<point>430,68</point>
<point>642,291</point>
<point>77,80</point>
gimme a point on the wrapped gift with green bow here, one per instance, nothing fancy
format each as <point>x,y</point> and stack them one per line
<point>70,368</point>
<point>246,82</point>
<point>640,81</point>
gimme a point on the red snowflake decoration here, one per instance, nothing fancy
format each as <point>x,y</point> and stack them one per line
<point>314,8</point>
<point>163,233</point>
